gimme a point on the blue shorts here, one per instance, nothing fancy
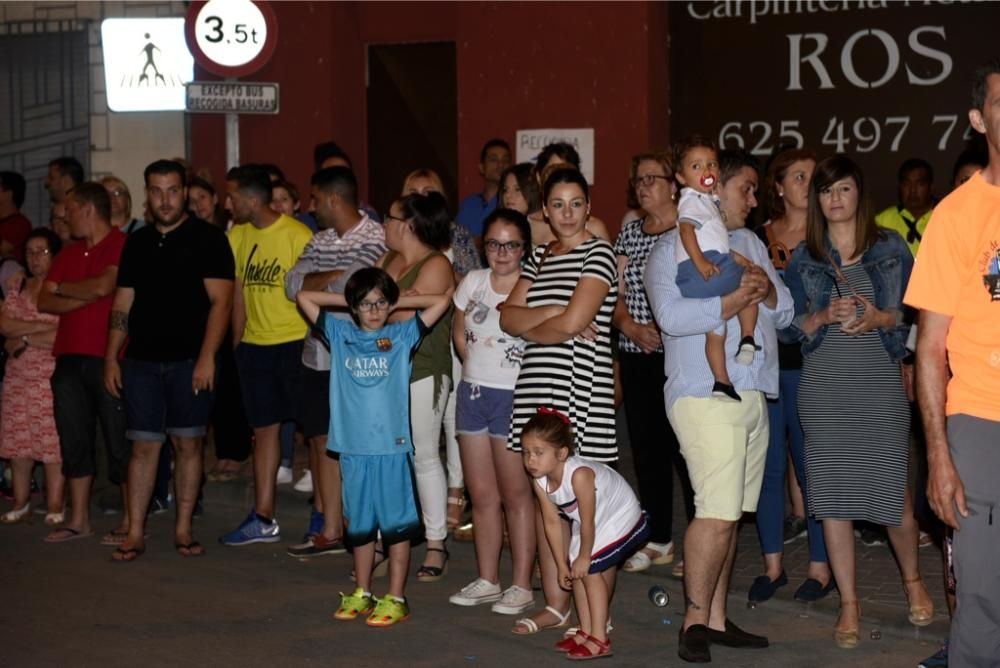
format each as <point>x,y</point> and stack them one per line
<point>379,495</point>
<point>694,286</point>
<point>159,400</point>
<point>483,410</point>
<point>621,549</point>
<point>270,377</point>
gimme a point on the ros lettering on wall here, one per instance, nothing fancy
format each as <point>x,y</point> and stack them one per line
<point>881,81</point>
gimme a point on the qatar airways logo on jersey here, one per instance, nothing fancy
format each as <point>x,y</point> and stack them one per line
<point>367,367</point>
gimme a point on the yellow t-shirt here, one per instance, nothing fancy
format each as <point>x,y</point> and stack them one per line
<point>957,273</point>
<point>262,259</point>
<point>893,219</point>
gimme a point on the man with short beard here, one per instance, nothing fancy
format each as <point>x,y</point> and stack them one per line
<point>173,303</point>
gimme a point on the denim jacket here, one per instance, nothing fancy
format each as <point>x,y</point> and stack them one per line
<point>888,264</point>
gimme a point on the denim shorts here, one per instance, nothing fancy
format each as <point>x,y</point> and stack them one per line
<point>270,378</point>
<point>694,286</point>
<point>379,496</point>
<point>483,410</point>
<point>159,401</point>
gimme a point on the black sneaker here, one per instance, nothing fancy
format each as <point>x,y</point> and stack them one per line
<point>873,536</point>
<point>795,528</point>
<point>158,506</point>
<point>725,392</point>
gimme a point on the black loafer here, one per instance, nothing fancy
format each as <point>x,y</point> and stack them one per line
<point>811,590</point>
<point>763,588</point>
<point>692,645</point>
<point>734,636</point>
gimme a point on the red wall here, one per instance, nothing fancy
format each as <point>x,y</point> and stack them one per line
<point>520,65</point>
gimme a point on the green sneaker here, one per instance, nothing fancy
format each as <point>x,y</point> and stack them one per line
<point>356,604</point>
<point>388,612</point>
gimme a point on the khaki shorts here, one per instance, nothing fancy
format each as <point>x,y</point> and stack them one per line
<point>724,444</point>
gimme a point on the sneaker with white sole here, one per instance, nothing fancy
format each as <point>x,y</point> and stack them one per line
<point>478,592</point>
<point>305,483</point>
<point>253,530</point>
<point>284,475</point>
<point>514,600</point>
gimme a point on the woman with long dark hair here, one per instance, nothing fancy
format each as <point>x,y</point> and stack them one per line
<point>848,282</point>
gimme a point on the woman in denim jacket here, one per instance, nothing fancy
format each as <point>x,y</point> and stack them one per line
<point>848,280</point>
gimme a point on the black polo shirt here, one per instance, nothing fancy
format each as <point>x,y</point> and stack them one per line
<point>167,271</point>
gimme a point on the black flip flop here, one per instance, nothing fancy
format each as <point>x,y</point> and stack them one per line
<point>190,547</point>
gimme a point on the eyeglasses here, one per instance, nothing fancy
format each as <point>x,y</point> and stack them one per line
<point>116,193</point>
<point>494,246</point>
<point>37,253</point>
<point>389,217</point>
<point>647,180</point>
<point>381,304</point>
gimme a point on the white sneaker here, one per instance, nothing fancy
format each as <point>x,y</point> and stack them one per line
<point>476,593</point>
<point>284,475</point>
<point>515,600</point>
<point>305,483</point>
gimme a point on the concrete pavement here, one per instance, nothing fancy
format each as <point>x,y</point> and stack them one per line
<point>70,605</point>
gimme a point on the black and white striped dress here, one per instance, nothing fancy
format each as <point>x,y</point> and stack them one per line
<point>856,420</point>
<point>574,377</point>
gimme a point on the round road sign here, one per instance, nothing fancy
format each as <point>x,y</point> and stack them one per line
<point>231,38</point>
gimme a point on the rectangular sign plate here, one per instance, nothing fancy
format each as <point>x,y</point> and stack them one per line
<point>232,97</point>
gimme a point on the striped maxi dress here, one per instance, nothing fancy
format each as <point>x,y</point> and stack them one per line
<point>856,419</point>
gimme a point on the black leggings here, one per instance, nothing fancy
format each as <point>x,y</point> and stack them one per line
<point>654,445</point>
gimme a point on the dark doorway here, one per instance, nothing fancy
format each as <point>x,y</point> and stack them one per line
<point>412,117</point>
<point>45,97</point>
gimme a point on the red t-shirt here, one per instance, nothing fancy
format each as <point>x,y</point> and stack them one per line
<point>15,229</point>
<point>84,331</point>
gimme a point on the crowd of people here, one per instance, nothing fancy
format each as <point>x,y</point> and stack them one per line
<point>507,334</point>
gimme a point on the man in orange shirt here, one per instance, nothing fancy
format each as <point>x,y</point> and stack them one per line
<point>956,285</point>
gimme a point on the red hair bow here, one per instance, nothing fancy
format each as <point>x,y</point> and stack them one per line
<point>545,410</point>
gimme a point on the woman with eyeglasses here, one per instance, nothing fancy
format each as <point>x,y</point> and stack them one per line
<point>27,425</point>
<point>562,305</point>
<point>121,205</point>
<point>640,358</point>
<point>848,281</point>
<point>494,475</point>
<point>417,234</point>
